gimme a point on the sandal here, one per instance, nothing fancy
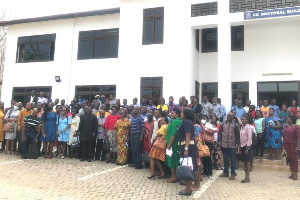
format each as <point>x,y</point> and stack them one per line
<point>245,181</point>
<point>161,177</point>
<point>151,177</point>
<point>182,193</point>
<point>171,180</point>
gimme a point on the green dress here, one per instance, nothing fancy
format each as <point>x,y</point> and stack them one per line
<point>173,161</point>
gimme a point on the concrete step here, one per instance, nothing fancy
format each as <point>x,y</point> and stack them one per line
<point>273,165</point>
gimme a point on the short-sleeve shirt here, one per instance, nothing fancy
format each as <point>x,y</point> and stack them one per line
<point>136,124</point>
<point>31,123</point>
<point>163,131</point>
<point>163,108</point>
<point>186,127</point>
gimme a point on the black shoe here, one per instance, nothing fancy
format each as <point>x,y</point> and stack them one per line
<point>82,159</point>
<point>131,165</point>
<point>185,194</point>
<point>151,177</point>
<point>89,160</point>
<point>139,167</point>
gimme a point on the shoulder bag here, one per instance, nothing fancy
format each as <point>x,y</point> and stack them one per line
<point>160,143</point>
<point>184,172</point>
<point>8,126</point>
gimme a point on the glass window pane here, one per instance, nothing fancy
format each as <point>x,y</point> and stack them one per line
<point>85,49</point>
<point>86,34</point>
<point>30,51</point>
<point>237,38</point>
<point>156,94</point>
<point>146,81</point>
<point>158,34</point>
<point>113,32</point>
<point>101,33</point>
<point>44,51</point>
<point>159,12</point>
<point>267,87</point>
<point>83,88</point>
<point>208,86</point>
<point>157,81</point>
<point>22,40</point>
<point>210,40</point>
<point>148,31</point>
<point>149,12</point>
<point>288,87</point>
<point>113,47</point>
<point>101,48</point>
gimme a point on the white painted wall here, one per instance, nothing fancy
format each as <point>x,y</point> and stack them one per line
<point>270,47</point>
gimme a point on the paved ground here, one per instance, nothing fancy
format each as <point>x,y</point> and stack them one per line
<point>71,179</point>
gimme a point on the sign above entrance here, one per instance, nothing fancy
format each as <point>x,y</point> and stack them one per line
<point>282,12</point>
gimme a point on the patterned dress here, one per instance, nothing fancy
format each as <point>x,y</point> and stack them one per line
<point>273,136</point>
<point>122,131</point>
<point>199,131</point>
<point>147,142</point>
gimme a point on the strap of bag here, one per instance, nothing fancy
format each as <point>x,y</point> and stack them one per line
<point>9,113</point>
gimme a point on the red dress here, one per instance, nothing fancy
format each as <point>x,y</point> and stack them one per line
<point>147,142</point>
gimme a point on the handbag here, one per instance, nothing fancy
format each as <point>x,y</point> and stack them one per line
<point>160,143</point>
<point>105,146</point>
<point>208,138</point>
<point>203,151</point>
<point>8,127</point>
<point>185,173</point>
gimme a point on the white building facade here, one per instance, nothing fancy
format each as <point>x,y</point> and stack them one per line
<point>245,49</point>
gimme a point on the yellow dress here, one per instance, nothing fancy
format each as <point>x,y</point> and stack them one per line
<point>2,115</point>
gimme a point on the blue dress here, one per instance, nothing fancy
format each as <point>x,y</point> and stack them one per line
<point>62,124</point>
<point>272,136</point>
<point>49,127</point>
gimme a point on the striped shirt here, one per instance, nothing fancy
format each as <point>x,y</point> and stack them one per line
<point>136,124</point>
<point>31,123</point>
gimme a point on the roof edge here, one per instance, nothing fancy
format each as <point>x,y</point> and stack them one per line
<point>62,16</point>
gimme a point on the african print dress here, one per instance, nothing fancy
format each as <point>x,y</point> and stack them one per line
<point>199,131</point>
<point>122,132</point>
<point>272,136</point>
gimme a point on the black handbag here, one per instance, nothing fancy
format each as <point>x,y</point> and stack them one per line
<point>185,173</point>
<point>105,146</point>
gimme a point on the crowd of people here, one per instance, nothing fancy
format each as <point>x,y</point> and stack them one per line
<point>152,134</point>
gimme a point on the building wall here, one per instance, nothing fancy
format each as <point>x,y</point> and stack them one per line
<point>270,47</point>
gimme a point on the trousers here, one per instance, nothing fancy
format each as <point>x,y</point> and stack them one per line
<point>229,153</point>
<point>136,147</point>
<point>86,149</point>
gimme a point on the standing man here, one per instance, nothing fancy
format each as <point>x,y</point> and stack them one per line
<point>206,106</point>
<point>240,111</point>
<point>171,105</point>
<point>48,95</point>
<point>144,113</point>
<point>96,109</point>
<point>100,154</point>
<point>88,128</point>
<point>150,106</point>
<point>111,132</point>
<point>217,109</point>
<point>247,107</point>
<point>219,100</point>
<point>124,103</point>
<point>112,101</point>
<point>275,107</point>
<point>135,102</point>
<point>24,113</point>
<point>234,106</point>
<point>229,141</point>
<point>63,102</point>
<point>42,98</point>
<point>137,129</point>
<point>56,103</point>
<point>32,97</point>
<point>143,102</point>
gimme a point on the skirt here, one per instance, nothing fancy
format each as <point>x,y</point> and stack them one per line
<point>10,135</point>
<point>157,153</point>
<point>244,157</point>
<point>63,137</point>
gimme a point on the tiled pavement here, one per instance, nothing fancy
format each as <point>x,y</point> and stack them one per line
<point>72,179</point>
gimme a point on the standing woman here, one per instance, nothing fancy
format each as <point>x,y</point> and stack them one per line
<point>48,135</point>
<point>12,116</point>
<point>291,140</point>
<point>147,134</point>
<point>216,151</point>
<point>294,109</point>
<point>63,124</point>
<point>122,127</point>
<point>246,147</point>
<point>260,126</point>
<point>162,105</point>
<point>187,148</point>
<point>273,137</point>
<point>283,113</point>
<point>2,115</point>
<point>74,128</point>
<point>172,143</point>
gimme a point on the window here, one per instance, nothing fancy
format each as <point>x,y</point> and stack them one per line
<point>151,87</point>
<point>240,91</point>
<point>21,93</point>
<point>237,38</point>
<point>90,91</point>
<point>38,48</point>
<point>153,30</point>
<point>210,90</point>
<point>210,39</point>
<point>98,44</point>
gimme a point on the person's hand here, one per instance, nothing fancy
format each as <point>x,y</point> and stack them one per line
<point>260,136</point>
<point>185,153</point>
<point>19,128</point>
<point>246,151</point>
<point>23,139</point>
<point>36,140</point>
<point>106,136</point>
<point>141,138</point>
<point>169,147</point>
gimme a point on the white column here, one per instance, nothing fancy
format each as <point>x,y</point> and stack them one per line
<point>224,55</point>
<point>253,91</point>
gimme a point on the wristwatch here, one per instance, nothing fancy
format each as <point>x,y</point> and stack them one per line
<point>186,148</point>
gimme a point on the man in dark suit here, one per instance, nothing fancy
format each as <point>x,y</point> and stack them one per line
<point>32,97</point>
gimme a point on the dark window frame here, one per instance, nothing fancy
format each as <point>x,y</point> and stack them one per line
<point>151,86</point>
<point>153,18</point>
<point>108,36</point>
<point>210,49</point>
<point>91,92</point>
<point>34,40</point>
<point>24,92</point>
